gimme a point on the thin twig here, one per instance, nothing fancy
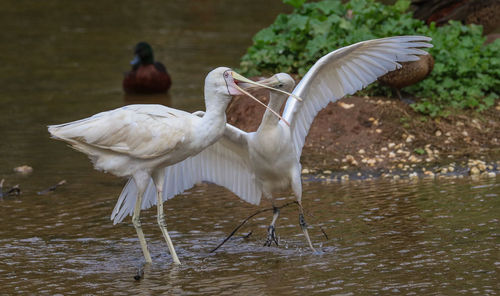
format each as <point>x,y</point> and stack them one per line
<point>1,187</point>
<point>14,191</point>
<point>245,221</point>
<point>324,233</point>
<point>52,188</point>
<point>320,228</point>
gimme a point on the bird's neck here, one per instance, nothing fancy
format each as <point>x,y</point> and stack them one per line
<point>269,118</point>
<point>214,120</point>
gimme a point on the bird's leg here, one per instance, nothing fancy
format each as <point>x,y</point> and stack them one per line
<point>303,225</point>
<point>271,230</point>
<point>163,227</point>
<point>398,92</point>
<point>137,222</point>
<point>158,178</point>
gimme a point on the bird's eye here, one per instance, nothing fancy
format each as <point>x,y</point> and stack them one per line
<point>226,75</point>
<point>280,85</point>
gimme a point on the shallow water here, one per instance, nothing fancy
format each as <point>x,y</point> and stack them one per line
<point>406,238</point>
<point>62,62</point>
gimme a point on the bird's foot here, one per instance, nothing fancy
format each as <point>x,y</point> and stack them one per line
<point>271,236</point>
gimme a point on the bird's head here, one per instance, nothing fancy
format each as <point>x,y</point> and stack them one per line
<point>224,83</point>
<point>220,83</point>
<point>285,82</point>
<point>143,54</point>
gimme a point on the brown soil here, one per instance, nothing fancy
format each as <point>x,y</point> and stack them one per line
<point>381,133</point>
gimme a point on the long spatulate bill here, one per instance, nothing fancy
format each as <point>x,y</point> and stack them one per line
<point>244,79</point>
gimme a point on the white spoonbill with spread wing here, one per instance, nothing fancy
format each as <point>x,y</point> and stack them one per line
<point>268,160</point>
<point>139,141</point>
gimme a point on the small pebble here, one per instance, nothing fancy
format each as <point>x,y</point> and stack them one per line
<point>24,169</point>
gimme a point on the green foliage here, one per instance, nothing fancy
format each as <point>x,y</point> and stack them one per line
<point>295,3</point>
<point>466,74</point>
<point>419,151</point>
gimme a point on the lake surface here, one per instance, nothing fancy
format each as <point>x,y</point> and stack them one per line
<point>63,61</point>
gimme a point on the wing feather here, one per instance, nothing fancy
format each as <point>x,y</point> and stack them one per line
<point>225,163</point>
<point>345,71</point>
<point>140,131</point>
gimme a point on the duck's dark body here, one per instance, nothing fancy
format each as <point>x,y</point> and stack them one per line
<point>410,73</point>
<point>152,78</point>
<point>147,76</point>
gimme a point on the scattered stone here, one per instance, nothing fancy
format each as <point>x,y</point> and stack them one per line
<point>350,159</point>
<point>346,106</point>
<point>474,171</point>
<point>371,161</point>
<point>361,151</point>
<point>327,172</point>
<point>414,159</point>
<point>438,133</point>
<point>391,145</point>
<point>378,131</point>
<point>305,171</point>
<point>24,169</point>
<point>429,174</point>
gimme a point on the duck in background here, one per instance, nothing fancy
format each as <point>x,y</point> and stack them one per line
<point>147,76</point>
<point>409,74</point>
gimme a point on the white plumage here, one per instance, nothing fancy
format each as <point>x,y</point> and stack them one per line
<point>139,141</point>
<point>268,160</point>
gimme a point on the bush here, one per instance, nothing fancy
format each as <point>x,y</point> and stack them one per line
<point>466,73</point>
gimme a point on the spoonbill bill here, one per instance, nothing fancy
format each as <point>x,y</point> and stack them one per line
<point>139,141</point>
<point>268,160</point>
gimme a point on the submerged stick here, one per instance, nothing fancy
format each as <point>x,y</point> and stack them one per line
<point>245,221</point>
<point>140,273</point>
<point>320,228</point>
<point>14,191</point>
<point>1,187</point>
<point>51,188</point>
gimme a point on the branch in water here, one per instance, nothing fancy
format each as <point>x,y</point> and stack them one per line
<point>245,221</point>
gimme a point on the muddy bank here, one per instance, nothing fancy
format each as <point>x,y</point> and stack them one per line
<point>374,136</point>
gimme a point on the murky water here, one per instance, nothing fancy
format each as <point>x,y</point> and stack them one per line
<point>62,61</point>
<point>424,238</point>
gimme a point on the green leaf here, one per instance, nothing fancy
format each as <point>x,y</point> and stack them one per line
<point>419,151</point>
<point>295,3</point>
<point>402,5</point>
<point>298,22</point>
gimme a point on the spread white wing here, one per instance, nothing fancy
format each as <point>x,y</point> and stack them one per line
<point>345,71</point>
<point>225,163</point>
